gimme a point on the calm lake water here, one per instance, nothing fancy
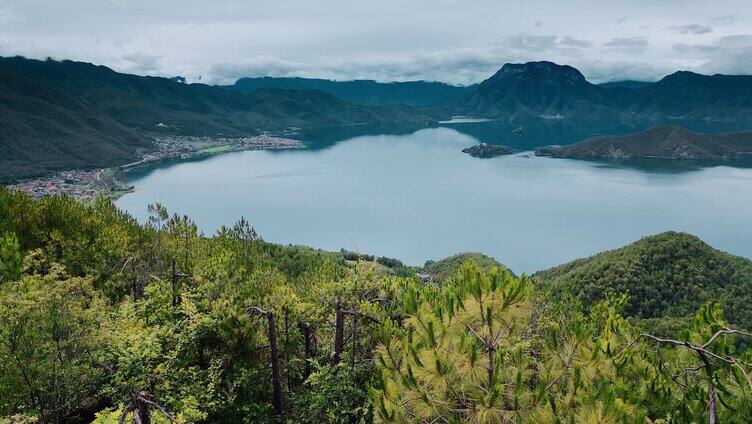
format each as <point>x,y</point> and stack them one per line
<point>414,196</point>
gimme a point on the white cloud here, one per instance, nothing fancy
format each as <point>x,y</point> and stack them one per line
<point>459,41</point>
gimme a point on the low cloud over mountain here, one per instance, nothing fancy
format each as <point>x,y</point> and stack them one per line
<point>458,41</point>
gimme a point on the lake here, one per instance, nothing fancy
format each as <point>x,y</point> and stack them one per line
<point>412,195</point>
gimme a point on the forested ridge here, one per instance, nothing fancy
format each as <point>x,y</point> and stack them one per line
<point>660,141</point>
<point>104,319</point>
<point>667,275</point>
<point>57,115</point>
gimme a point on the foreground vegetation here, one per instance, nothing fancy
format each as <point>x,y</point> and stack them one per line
<point>103,319</point>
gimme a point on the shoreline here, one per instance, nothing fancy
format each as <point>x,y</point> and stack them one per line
<point>88,185</point>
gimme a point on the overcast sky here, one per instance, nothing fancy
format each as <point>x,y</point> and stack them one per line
<point>456,41</point>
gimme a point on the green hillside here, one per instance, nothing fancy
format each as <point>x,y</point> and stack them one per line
<point>44,129</point>
<point>667,275</point>
<point>65,114</point>
<point>660,141</point>
<point>145,102</point>
<point>441,269</point>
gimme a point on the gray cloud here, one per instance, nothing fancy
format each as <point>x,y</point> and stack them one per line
<point>724,20</point>
<point>8,14</point>
<point>620,70</point>
<point>459,41</point>
<point>691,29</point>
<point>574,42</point>
<point>628,43</point>
<point>461,66</point>
<point>141,62</point>
<point>458,66</point>
<point>527,42</point>
<point>729,54</point>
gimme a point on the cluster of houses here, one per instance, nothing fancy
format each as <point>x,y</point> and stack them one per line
<point>78,184</point>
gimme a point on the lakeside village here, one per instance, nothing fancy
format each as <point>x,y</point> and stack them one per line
<point>86,185</point>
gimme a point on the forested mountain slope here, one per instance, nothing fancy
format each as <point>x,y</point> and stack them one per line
<point>65,114</point>
<point>535,90</point>
<point>666,275</point>
<point>43,128</point>
<point>660,141</point>
<point>365,92</point>
<point>145,102</point>
<point>551,91</point>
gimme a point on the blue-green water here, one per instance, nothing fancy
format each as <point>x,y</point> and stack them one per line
<point>415,196</point>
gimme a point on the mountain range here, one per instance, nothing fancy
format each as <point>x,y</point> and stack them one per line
<point>66,114</point>
<point>545,90</point>
<point>550,91</point>
<point>365,92</point>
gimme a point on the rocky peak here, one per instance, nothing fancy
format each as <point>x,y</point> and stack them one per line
<point>537,71</point>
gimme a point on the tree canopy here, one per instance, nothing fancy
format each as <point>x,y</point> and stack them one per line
<point>104,319</point>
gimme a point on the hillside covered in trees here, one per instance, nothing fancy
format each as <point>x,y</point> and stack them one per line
<point>660,141</point>
<point>364,92</point>
<point>666,275</point>
<point>66,114</point>
<point>104,319</point>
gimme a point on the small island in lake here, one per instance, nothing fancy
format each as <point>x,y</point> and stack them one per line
<point>660,141</point>
<point>488,150</point>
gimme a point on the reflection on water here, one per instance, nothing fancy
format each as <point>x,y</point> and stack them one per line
<point>521,135</point>
<point>413,195</point>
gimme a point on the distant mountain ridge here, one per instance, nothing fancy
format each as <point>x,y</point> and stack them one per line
<point>365,92</point>
<point>534,89</point>
<point>546,90</point>
<point>660,141</point>
<point>630,84</point>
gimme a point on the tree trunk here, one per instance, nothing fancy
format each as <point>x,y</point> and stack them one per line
<point>175,296</point>
<point>339,334</point>
<point>309,352</point>
<point>287,351</point>
<point>490,351</point>
<point>277,400</point>
<point>712,407</point>
<point>354,340</point>
<point>141,414</point>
